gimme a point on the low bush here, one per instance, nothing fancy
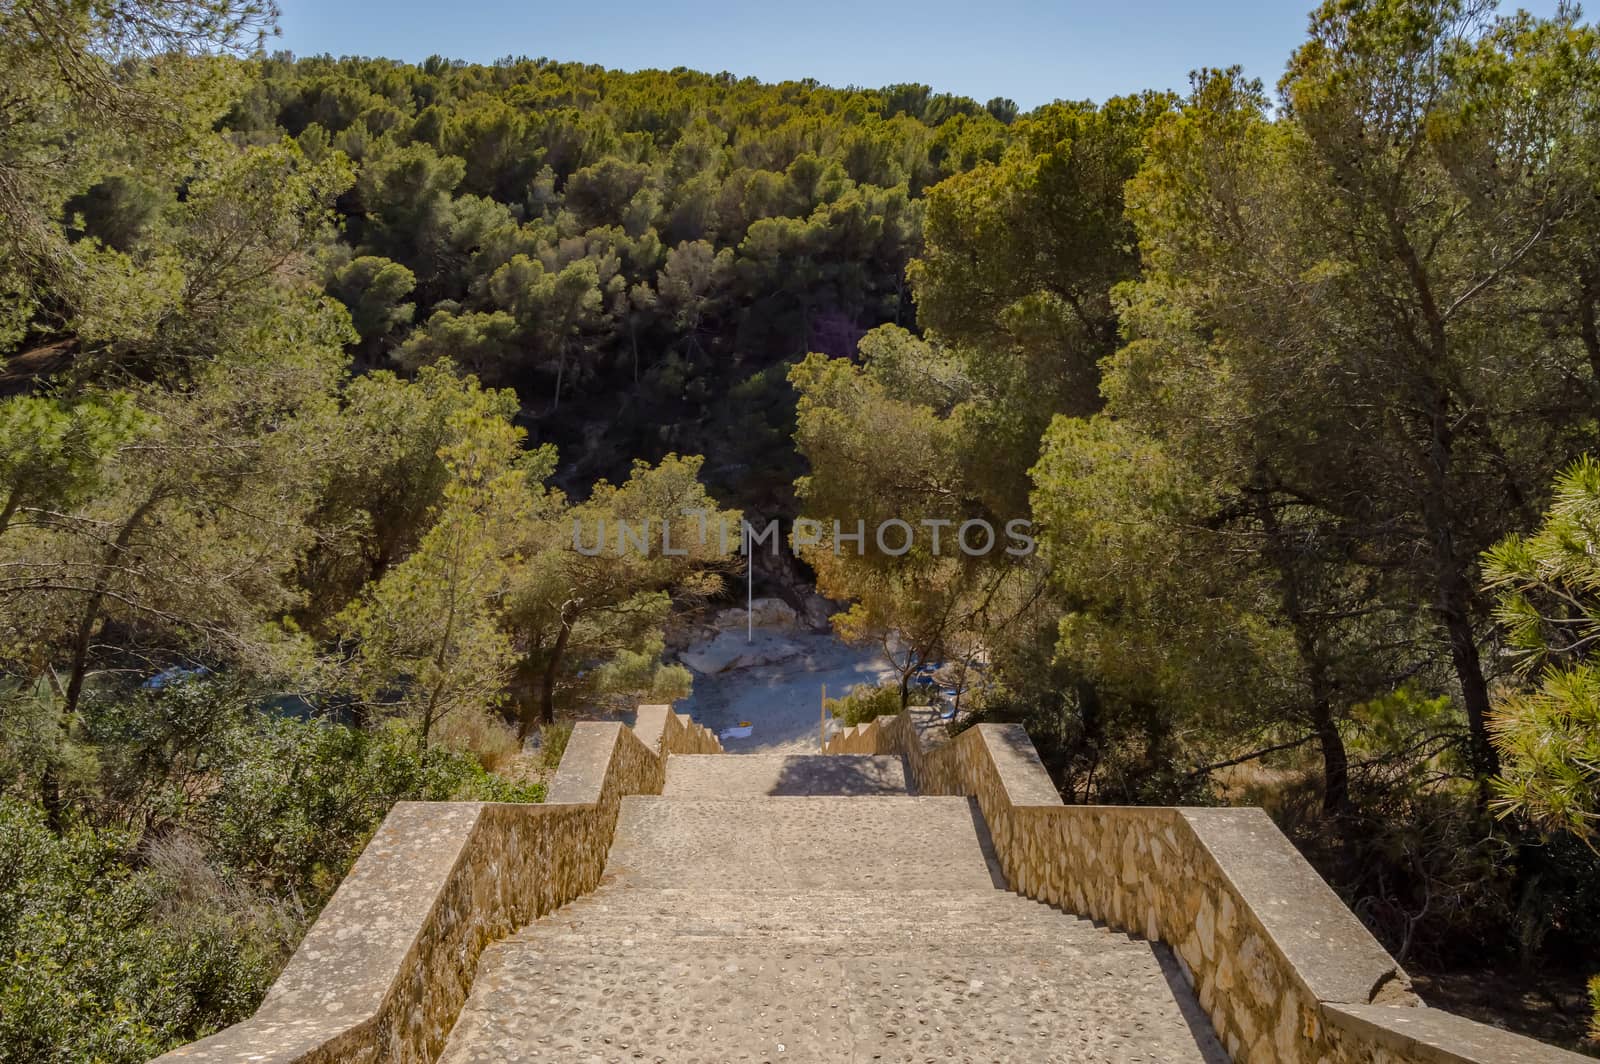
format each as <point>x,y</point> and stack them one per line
<point>863,703</point>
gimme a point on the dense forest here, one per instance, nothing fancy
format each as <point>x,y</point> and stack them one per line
<point>309,367</point>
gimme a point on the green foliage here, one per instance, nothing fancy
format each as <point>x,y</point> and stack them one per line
<point>887,442</point>
<point>863,703</point>
<point>1550,743</point>
<point>93,99</point>
<point>428,635</point>
<point>97,962</point>
<point>54,452</point>
<point>371,289</point>
<point>553,743</point>
<point>650,237</point>
<point>118,942</point>
<point>298,799</point>
<point>597,581</point>
<point>1548,586</point>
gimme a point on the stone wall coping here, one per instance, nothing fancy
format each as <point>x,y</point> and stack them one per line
<point>1344,1000</point>
<point>581,776</point>
<point>650,725</point>
<point>345,963</point>
<point>1327,947</point>
<point>1022,774</point>
<point>1433,1036</point>
<point>380,974</point>
<point>339,978</point>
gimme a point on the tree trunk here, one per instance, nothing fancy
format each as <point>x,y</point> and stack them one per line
<point>547,685</point>
<point>1454,607</point>
<point>1453,592</point>
<point>526,690</point>
<point>1452,589</point>
<point>91,610</point>
<point>1335,759</point>
<point>427,726</point>
<point>50,781</point>
<point>1091,734</point>
<point>13,501</point>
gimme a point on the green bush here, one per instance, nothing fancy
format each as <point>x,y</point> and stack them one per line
<point>118,944</point>
<point>94,966</point>
<point>553,743</point>
<point>864,703</point>
<point>298,799</point>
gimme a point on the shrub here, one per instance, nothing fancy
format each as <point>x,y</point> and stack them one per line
<point>864,703</point>
<point>553,743</point>
<point>296,800</point>
<point>483,735</point>
<point>116,945</point>
<point>89,967</point>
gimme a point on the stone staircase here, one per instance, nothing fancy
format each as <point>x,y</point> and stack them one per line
<point>768,908</point>
<point>895,900</point>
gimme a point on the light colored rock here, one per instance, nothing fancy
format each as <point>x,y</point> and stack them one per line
<point>731,650</point>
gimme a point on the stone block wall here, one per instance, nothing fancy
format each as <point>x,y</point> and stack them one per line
<point>666,732</point>
<point>383,973</point>
<point>1286,972</point>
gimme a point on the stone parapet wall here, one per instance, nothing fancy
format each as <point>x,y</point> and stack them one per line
<point>684,736</point>
<point>383,973</point>
<point>1285,970</point>
<point>666,732</point>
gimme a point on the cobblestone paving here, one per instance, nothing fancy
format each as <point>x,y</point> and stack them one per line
<point>819,929</point>
<point>722,776</point>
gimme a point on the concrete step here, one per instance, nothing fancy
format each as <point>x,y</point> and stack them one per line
<point>753,775</point>
<point>1122,1004</point>
<point>831,923</point>
<point>861,842</point>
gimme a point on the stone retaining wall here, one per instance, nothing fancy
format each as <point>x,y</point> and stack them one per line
<point>664,731</point>
<point>1286,972</point>
<point>383,973</point>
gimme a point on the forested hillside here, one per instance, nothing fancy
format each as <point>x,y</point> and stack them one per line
<point>311,366</point>
<point>636,254</point>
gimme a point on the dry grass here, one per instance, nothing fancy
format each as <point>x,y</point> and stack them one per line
<point>491,740</point>
<point>194,894</point>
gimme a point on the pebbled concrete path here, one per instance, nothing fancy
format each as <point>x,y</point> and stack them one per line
<point>750,775</point>
<point>804,908</point>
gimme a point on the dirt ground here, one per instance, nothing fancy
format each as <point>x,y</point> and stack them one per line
<point>1552,1008</point>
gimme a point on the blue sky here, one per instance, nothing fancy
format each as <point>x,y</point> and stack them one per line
<point>1030,50</point>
